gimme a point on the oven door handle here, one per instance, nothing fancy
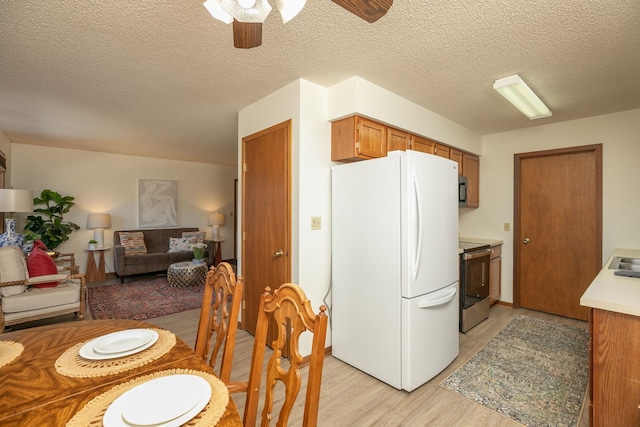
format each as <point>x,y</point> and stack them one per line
<point>477,254</point>
<point>427,303</point>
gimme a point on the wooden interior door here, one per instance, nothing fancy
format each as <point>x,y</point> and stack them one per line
<point>266,216</point>
<point>558,228</point>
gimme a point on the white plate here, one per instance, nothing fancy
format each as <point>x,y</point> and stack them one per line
<point>88,352</point>
<point>164,402</point>
<point>121,341</point>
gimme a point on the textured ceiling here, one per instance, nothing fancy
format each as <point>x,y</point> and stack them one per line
<point>161,78</point>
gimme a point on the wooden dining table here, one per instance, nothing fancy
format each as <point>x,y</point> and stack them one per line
<point>34,393</point>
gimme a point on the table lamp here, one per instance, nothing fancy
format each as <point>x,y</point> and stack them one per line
<point>215,221</point>
<point>98,222</point>
<point>12,201</point>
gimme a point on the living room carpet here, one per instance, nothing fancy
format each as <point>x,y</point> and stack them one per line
<point>141,300</point>
<point>533,371</point>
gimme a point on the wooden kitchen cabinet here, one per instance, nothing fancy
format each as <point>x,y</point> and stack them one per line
<point>495,274</point>
<point>471,169</point>
<point>456,156</point>
<point>424,145</point>
<point>614,383</point>
<point>397,139</point>
<point>442,150</point>
<point>356,138</point>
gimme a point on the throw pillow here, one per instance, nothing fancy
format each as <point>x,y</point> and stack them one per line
<point>133,243</point>
<point>41,264</point>
<point>12,269</point>
<point>199,235</point>
<point>181,244</point>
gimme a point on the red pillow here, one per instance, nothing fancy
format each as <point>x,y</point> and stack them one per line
<point>39,244</point>
<point>41,264</point>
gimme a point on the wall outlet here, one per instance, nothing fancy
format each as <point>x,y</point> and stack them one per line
<point>507,226</point>
<point>316,223</point>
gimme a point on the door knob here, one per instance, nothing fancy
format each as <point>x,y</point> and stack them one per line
<point>276,254</point>
<point>526,240</point>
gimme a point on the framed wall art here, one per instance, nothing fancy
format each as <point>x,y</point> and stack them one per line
<point>157,203</point>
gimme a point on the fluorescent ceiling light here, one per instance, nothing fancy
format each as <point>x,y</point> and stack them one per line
<point>289,8</point>
<point>215,9</point>
<point>519,94</point>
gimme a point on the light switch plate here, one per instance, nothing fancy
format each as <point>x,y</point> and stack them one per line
<point>316,223</point>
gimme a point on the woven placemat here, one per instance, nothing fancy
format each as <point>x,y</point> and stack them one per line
<point>9,351</point>
<point>93,412</point>
<point>71,364</point>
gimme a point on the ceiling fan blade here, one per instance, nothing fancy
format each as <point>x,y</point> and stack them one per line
<point>247,34</point>
<point>369,10</point>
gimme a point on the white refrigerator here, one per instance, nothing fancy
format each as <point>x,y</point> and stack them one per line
<point>394,245</point>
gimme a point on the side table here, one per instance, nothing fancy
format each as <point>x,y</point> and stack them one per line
<point>218,252</point>
<point>186,273</point>
<point>96,273</point>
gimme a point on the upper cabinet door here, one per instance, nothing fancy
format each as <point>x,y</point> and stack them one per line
<point>372,138</point>
<point>456,156</point>
<point>442,151</point>
<point>423,144</point>
<point>397,140</point>
<point>356,138</point>
<point>471,169</point>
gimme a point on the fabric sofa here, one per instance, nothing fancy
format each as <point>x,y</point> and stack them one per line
<point>154,256</point>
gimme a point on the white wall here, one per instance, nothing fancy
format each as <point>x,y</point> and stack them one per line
<point>619,135</point>
<point>102,182</point>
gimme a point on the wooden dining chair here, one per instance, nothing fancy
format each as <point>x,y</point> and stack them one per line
<point>292,312</point>
<point>219,315</point>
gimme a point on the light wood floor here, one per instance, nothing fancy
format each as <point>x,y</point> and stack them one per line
<point>352,398</point>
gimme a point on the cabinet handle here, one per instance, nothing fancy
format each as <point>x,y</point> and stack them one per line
<point>276,254</point>
<point>526,240</point>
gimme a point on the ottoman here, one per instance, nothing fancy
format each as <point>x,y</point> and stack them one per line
<point>186,274</point>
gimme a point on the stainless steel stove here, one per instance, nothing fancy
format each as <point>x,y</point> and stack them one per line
<point>474,284</point>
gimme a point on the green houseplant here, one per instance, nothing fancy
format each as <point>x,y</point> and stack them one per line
<point>50,224</point>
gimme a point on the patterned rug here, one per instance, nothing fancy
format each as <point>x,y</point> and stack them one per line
<point>143,299</point>
<point>533,371</point>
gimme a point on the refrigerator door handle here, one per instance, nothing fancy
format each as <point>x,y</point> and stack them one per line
<point>427,303</point>
<point>418,249</point>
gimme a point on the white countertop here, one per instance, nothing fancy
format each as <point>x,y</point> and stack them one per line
<point>614,293</point>
<point>490,242</point>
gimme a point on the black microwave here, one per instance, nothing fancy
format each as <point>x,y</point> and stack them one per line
<point>462,191</point>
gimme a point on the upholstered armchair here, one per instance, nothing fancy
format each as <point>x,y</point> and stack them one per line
<point>24,298</point>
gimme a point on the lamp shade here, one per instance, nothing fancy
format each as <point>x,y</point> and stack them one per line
<point>99,220</point>
<point>216,218</point>
<point>12,200</point>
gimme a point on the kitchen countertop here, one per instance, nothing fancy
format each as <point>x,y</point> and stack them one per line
<point>490,242</point>
<point>614,293</point>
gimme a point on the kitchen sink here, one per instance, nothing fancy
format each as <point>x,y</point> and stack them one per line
<point>624,263</point>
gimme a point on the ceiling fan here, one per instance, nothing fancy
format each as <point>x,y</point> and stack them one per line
<point>248,15</point>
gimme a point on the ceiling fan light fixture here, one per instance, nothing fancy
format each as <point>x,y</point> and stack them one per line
<point>247,4</point>
<point>516,91</point>
<point>215,9</point>
<point>256,13</point>
<point>289,8</point>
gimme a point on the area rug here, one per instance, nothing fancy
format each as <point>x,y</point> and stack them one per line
<point>141,300</point>
<point>534,372</point>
